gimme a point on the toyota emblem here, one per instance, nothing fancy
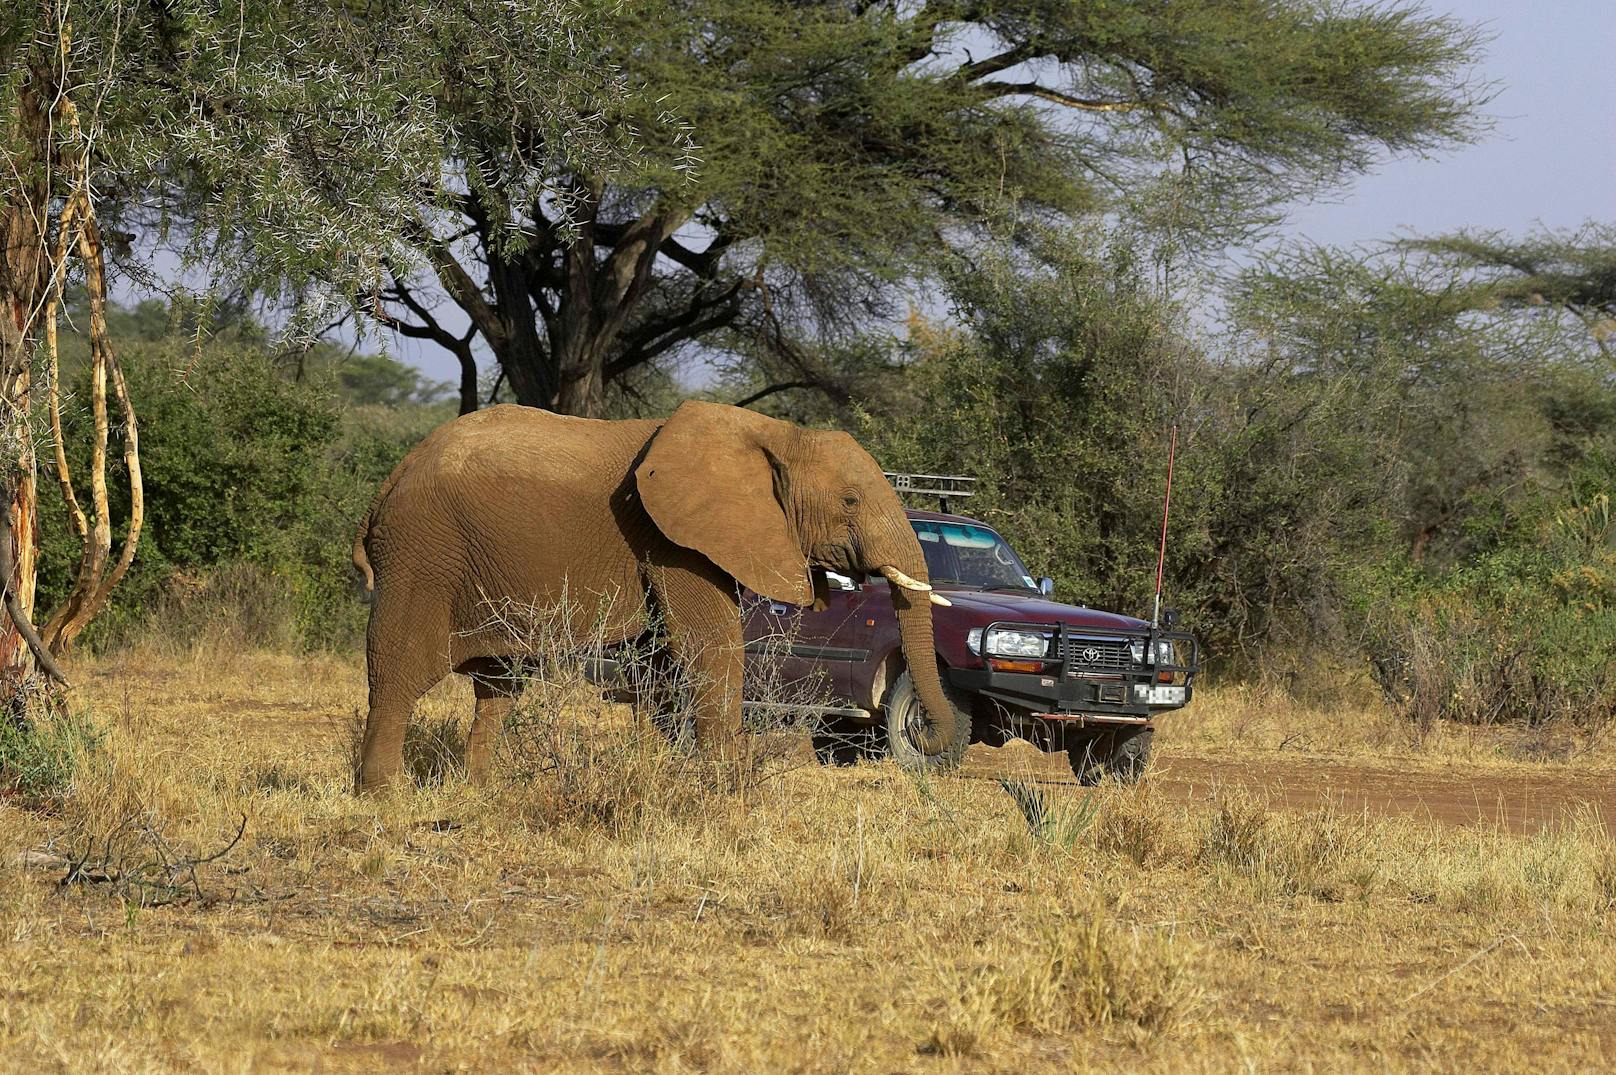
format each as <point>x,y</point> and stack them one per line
<point>1091,655</point>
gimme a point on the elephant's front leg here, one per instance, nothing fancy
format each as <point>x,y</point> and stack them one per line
<point>702,617</point>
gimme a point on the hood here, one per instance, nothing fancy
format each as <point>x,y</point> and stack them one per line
<point>978,608</point>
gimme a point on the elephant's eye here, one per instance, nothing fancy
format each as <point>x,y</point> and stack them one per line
<point>850,501</point>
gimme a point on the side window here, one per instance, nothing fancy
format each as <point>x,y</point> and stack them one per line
<point>941,562</point>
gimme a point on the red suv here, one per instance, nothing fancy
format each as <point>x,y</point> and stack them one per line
<point>1015,663</point>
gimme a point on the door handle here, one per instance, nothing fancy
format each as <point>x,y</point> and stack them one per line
<point>779,608</point>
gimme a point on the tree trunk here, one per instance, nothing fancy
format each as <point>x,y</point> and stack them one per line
<point>469,400</point>
<point>528,370</point>
<point>567,377</point>
<point>43,129</point>
<point>563,368</point>
<point>581,387</point>
<point>23,278</point>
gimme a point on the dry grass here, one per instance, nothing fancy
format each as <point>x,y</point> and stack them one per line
<point>646,919</point>
<point>1340,715</point>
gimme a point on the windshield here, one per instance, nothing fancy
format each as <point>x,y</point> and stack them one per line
<point>962,554</point>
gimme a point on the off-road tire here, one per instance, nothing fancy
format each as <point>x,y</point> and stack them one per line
<point>840,741</point>
<point>899,707</point>
<point>1121,754</point>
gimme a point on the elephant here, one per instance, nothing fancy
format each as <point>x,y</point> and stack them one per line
<point>631,518</point>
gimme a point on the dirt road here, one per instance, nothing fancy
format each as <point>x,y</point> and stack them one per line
<point>1521,801</point>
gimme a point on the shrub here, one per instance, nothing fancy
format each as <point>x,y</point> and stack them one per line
<point>255,479</point>
<point>1058,392</point>
<point>40,755</point>
<point>1525,632</point>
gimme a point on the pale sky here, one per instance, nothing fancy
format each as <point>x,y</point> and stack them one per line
<point>1550,159</point>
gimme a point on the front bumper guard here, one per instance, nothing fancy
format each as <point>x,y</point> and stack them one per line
<point>1072,688</point>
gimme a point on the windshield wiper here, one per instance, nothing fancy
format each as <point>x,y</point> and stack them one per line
<point>1010,586</point>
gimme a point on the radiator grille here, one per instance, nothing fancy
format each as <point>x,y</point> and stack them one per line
<point>1097,655</point>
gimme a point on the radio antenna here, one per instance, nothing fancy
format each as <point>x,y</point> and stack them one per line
<point>1167,504</point>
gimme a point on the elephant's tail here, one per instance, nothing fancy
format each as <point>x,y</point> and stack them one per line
<point>361,555</point>
<point>361,559</point>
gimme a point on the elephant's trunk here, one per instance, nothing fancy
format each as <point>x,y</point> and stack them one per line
<point>912,599</point>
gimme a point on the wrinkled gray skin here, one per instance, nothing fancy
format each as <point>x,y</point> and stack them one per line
<point>518,506</point>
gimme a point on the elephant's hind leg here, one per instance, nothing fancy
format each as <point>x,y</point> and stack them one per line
<point>496,688</point>
<point>404,659</point>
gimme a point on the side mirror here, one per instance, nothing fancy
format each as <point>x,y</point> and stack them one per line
<point>1046,586</point>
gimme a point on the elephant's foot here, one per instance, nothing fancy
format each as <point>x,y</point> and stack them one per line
<point>374,779</point>
<point>494,703</point>
<point>478,769</point>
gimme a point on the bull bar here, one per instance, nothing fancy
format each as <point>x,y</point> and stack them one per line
<point>1073,686</point>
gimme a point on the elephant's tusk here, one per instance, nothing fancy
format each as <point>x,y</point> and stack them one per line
<point>898,578</point>
<point>939,599</point>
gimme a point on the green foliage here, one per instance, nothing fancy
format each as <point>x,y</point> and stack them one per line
<point>254,480</point>
<point>40,755</point>
<point>1481,406</point>
<point>367,379</point>
<point>1571,271</point>
<point>1523,632</point>
<point>1059,393</point>
<point>820,153</point>
<point>1056,826</point>
<point>297,137</point>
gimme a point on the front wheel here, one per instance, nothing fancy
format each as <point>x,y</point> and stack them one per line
<point>1122,753</point>
<point>903,714</point>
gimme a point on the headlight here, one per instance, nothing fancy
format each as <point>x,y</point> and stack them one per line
<point>1136,651</point>
<point>1002,643</point>
<point>1164,651</point>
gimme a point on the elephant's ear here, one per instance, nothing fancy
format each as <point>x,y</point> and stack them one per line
<point>710,484</point>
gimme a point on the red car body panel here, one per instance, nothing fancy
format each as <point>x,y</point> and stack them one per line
<point>846,650</point>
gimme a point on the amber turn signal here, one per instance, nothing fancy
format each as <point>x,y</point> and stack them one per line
<point>1016,666</point>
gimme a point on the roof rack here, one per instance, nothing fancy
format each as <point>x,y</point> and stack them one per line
<point>944,487</point>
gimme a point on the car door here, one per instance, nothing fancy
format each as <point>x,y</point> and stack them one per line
<point>797,655</point>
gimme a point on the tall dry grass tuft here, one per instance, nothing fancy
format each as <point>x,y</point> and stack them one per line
<point>1321,853</point>
<point>1604,875</point>
<point>575,750</point>
<point>1072,974</point>
<point>232,609</point>
<point>1136,824</point>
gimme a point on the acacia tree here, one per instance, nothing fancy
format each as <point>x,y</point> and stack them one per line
<point>277,161</point>
<point>1482,401</point>
<point>1572,271</point>
<point>845,146</point>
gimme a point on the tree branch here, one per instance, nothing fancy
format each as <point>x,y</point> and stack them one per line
<point>771,390</point>
<point>994,64</point>
<point>430,329</point>
<point>657,337</point>
<point>1033,89</point>
<point>459,285</point>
